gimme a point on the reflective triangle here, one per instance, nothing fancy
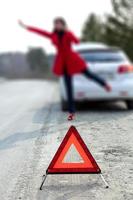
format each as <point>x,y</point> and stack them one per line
<point>87,164</point>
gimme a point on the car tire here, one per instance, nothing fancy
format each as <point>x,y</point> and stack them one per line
<point>129,104</point>
<point>64,105</point>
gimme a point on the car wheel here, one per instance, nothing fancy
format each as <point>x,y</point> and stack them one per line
<point>129,104</point>
<point>64,105</point>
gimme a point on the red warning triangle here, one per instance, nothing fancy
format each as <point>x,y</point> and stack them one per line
<point>58,166</point>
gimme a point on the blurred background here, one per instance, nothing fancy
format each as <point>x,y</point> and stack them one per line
<point>25,55</point>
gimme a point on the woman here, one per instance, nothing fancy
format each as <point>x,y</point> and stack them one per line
<point>67,62</point>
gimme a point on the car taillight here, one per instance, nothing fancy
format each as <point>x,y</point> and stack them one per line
<point>125,69</point>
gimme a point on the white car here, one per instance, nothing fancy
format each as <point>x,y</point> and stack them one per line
<point>109,63</point>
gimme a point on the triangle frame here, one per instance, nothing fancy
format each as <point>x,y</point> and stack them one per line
<point>88,167</point>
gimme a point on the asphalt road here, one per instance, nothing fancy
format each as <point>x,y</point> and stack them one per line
<point>31,129</point>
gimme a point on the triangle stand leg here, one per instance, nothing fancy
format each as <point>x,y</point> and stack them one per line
<point>103,179</point>
<point>44,179</point>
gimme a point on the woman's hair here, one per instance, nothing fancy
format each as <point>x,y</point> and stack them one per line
<point>61,20</point>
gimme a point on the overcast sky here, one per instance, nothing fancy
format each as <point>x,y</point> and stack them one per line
<point>40,13</point>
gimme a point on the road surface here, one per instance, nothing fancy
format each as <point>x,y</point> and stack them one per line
<point>31,129</point>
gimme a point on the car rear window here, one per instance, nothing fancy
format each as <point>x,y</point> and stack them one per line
<point>103,55</point>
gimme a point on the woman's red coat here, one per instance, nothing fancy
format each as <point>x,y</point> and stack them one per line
<point>66,59</point>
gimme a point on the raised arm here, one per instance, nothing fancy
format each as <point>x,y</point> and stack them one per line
<point>36,30</point>
<point>73,38</point>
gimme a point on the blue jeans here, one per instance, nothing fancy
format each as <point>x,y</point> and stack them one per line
<point>69,86</point>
